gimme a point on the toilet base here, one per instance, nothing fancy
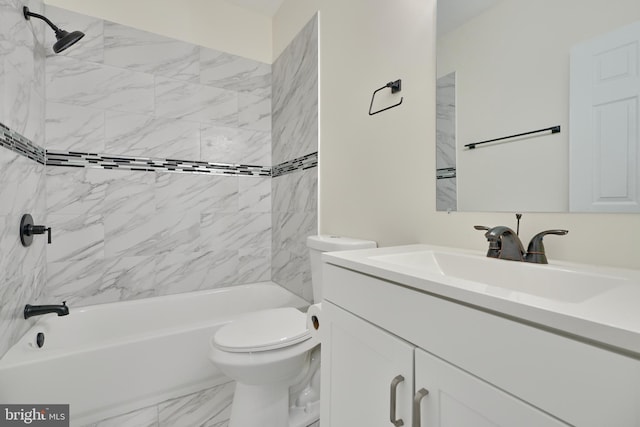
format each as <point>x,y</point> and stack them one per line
<point>304,417</point>
<point>281,404</point>
<point>304,397</point>
<point>268,406</point>
<point>260,405</point>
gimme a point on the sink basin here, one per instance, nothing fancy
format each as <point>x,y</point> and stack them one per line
<point>500,276</point>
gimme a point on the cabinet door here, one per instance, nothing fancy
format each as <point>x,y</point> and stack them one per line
<point>359,364</point>
<point>458,399</point>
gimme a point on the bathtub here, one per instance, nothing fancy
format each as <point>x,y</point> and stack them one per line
<point>109,359</point>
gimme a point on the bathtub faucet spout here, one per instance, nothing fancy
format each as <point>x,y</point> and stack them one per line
<point>37,310</point>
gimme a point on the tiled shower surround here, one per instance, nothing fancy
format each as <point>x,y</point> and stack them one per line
<point>126,234</point>
<point>295,135</point>
<point>446,190</point>
<point>22,180</point>
<point>183,179</point>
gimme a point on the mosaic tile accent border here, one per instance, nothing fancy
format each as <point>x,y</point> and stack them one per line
<point>445,173</point>
<point>305,162</point>
<point>21,145</point>
<point>92,160</point>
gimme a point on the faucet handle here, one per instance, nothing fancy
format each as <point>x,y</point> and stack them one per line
<point>556,232</point>
<point>494,244</point>
<point>28,229</point>
<point>535,250</point>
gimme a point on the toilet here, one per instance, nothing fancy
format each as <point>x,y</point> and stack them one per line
<point>274,359</point>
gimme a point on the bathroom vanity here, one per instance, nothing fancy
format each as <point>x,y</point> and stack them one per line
<point>429,336</point>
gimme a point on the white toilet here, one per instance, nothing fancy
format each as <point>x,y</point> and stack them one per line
<point>273,358</point>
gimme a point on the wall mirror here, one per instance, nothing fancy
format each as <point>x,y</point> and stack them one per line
<point>507,67</point>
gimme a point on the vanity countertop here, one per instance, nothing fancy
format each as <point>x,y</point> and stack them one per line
<point>605,310</point>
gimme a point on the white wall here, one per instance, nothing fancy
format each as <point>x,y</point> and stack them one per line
<point>512,78</point>
<point>210,23</point>
<point>376,173</point>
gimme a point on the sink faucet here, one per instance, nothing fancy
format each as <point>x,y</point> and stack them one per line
<point>37,310</point>
<point>504,243</point>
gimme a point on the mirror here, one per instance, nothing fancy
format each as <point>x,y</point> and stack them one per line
<point>504,68</point>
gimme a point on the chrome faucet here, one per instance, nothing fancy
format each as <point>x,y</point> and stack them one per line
<point>504,243</point>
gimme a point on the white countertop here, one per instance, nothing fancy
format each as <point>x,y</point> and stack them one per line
<point>610,317</point>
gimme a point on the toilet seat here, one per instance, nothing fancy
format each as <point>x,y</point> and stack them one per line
<point>263,330</point>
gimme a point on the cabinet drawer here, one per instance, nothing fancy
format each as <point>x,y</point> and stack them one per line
<point>577,382</point>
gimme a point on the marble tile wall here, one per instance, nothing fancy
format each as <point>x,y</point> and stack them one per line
<point>122,235</point>
<point>22,189</point>
<point>124,91</point>
<point>295,97</point>
<point>295,136</point>
<point>295,216</point>
<point>446,190</point>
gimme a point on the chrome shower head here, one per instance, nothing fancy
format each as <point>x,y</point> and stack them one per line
<point>64,38</point>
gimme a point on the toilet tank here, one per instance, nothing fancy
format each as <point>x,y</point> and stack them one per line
<point>328,243</point>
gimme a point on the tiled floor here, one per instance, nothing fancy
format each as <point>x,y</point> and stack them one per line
<point>207,408</point>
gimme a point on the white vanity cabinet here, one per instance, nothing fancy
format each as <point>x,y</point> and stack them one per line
<point>479,368</point>
<point>368,366</point>
<point>371,382</point>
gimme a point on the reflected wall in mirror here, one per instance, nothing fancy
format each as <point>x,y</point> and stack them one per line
<point>503,68</point>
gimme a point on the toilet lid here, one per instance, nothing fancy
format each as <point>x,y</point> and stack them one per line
<point>263,330</point>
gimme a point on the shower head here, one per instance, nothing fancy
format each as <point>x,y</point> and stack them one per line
<point>64,38</point>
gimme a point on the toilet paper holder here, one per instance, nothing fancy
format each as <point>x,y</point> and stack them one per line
<point>314,313</point>
<point>315,322</point>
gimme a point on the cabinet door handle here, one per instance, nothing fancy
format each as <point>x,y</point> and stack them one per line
<point>393,393</point>
<point>420,394</point>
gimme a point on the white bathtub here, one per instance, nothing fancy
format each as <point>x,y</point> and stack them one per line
<point>108,359</point>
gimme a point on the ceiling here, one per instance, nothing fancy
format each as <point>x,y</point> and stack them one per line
<point>451,13</point>
<point>263,7</point>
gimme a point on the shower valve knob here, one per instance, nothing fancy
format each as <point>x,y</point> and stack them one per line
<point>28,230</point>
